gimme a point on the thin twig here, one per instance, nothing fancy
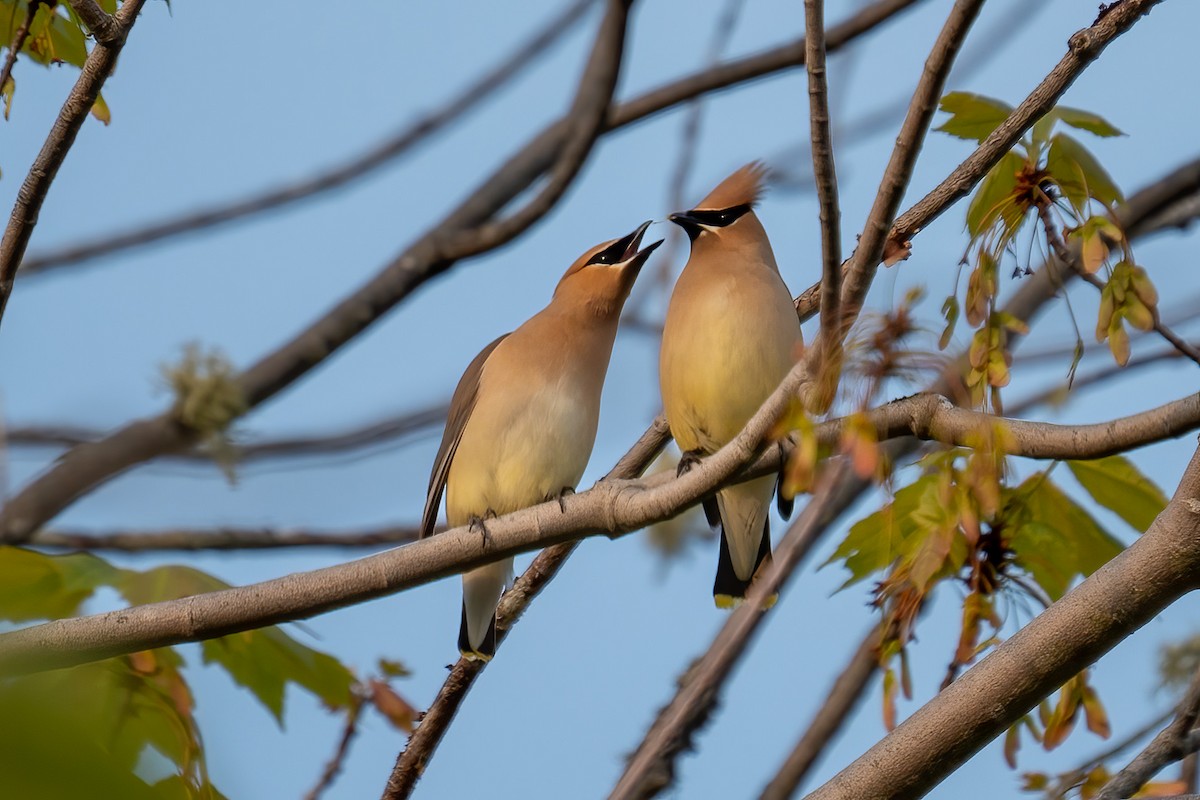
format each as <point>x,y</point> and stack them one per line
<point>97,67</point>
<point>825,175</point>
<point>224,538</point>
<point>328,179</point>
<point>1171,744</point>
<point>14,49</point>
<point>335,763</point>
<point>841,700</point>
<point>250,449</point>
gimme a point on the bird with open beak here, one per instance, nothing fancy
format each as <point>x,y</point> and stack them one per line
<point>731,335</point>
<point>523,418</point>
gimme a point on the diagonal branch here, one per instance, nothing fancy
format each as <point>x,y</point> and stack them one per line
<point>333,178</point>
<point>84,468</point>
<point>14,48</point>
<point>1085,46</point>
<point>843,697</point>
<point>1090,620</point>
<point>1173,743</point>
<point>97,67</point>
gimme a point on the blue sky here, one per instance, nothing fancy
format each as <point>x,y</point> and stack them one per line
<point>213,100</point>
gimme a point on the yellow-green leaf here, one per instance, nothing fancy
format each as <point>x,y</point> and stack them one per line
<point>994,198</point>
<point>1087,121</point>
<point>972,116</point>
<point>100,110</point>
<point>1115,483</point>
<point>38,586</point>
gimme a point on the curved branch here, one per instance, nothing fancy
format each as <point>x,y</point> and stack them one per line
<point>333,178</point>
<point>97,67</point>
<point>84,468</point>
<point>1116,600</point>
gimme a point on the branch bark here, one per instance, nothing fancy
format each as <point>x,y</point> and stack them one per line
<point>336,177</point>
<point>224,538</point>
<point>1116,600</point>
<point>84,468</point>
<point>1173,743</point>
<point>97,67</point>
<point>14,48</point>
<point>841,701</point>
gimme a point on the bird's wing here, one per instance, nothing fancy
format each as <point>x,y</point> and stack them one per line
<point>461,406</point>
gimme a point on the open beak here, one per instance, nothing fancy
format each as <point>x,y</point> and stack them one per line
<point>631,256</point>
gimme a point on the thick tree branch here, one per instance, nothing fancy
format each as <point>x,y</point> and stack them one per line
<point>1173,743</point>
<point>104,28</point>
<point>840,702</point>
<point>1116,600</point>
<point>97,67</point>
<point>336,177</point>
<point>86,467</point>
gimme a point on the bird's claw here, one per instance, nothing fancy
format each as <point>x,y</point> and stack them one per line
<point>689,459</point>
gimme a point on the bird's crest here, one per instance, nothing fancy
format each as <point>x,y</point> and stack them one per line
<point>744,186</point>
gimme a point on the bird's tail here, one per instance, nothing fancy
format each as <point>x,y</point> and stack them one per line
<point>482,588</point>
<point>745,540</point>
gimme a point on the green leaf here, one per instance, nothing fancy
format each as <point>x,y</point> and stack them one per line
<point>1053,538</point>
<point>1086,121</point>
<point>1115,483</point>
<point>1078,174</point>
<point>928,549</point>
<point>263,661</point>
<point>995,197</point>
<point>972,116</point>
<point>875,542</point>
<point>38,586</point>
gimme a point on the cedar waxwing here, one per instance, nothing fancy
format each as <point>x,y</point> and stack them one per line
<point>731,335</point>
<point>523,418</point>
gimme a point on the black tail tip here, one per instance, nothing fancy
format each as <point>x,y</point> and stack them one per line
<point>728,589</point>
<point>486,649</point>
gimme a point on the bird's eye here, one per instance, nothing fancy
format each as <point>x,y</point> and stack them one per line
<point>722,217</point>
<point>609,255</point>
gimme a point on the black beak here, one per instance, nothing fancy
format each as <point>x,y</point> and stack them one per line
<point>631,256</point>
<point>689,223</point>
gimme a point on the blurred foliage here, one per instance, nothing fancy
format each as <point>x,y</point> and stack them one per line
<point>126,724</point>
<point>55,36</point>
<point>208,399</point>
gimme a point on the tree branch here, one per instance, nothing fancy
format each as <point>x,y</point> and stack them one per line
<point>14,48</point>
<point>224,538</point>
<point>104,28</point>
<point>840,702</point>
<point>824,172</point>
<point>1091,619</point>
<point>88,466</point>
<point>336,177</point>
<point>251,448</point>
<point>1172,744</point>
<point>1085,47</point>
<point>97,67</point>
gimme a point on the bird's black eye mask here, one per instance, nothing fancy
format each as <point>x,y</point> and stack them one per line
<point>721,218</point>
